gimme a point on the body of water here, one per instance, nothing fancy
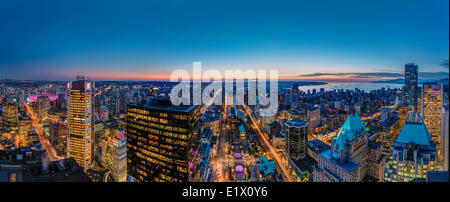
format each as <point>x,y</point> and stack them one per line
<point>367,87</point>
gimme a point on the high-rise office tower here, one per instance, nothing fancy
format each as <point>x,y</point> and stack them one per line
<point>384,114</point>
<point>205,155</point>
<point>294,96</point>
<point>43,106</point>
<point>431,110</point>
<point>99,134</point>
<point>411,88</point>
<point>297,138</point>
<point>314,118</point>
<point>97,104</point>
<point>160,139</point>
<point>115,156</point>
<point>24,128</point>
<point>58,137</point>
<point>390,128</point>
<point>444,138</point>
<point>10,113</point>
<point>81,121</point>
<point>419,104</point>
<point>412,154</point>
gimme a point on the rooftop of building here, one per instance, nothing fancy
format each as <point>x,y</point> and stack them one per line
<point>235,112</point>
<point>98,175</point>
<point>11,99</point>
<point>265,166</point>
<point>66,170</point>
<point>164,104</point>
<point>318,145</point>
<point>210,117</point>
<point>305,164</point>
<point>414,130</point>
<point>373,144</point>
<point>11,175</point>
<point>297,123</point>
<point>279,135</point>
<point>411,64</point>
<point>295,112</point>
<point>18,156</point>
<point>390,121</point>
<point>206,133</point>
<point>336,115</point>
<point>351,127</point>
<point>313,107</point>
<point>34,166</point>
<point>432,85</point>
<point>349,166</point>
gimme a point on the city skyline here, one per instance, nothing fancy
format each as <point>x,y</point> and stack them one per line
<point>224,91</point>
<point>148,40</point>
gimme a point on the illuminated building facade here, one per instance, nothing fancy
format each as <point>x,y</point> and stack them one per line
<point>266,121</point>
<point>81,121</point>
<point>295,93</point>
<point>376,162</point>
<point>351,157</point>
<point>314,118</point>
<point>58,137</point>
<point>335,121</point>
<point>297,138</point>
<point>115,156</point>
<point>43,106</point>
<point>10,113</point>
<point>99,131</point>
<point>205,155</point>
<point>390,129</point>
<point>444,139</point>
<point>160,137</point>
<point>413,153</point>
<point>419,104</point>
<point>431,110</point>
<point>211,119</point>
<point>411,88</point>
<point>24,129</point>
<point>279,142</point>
<point>402,112</point>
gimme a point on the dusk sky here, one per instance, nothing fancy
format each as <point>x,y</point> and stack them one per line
<point>145,40</point>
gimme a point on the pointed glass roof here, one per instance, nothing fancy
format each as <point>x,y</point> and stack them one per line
<point>351,126</point>
<point>414,130</point>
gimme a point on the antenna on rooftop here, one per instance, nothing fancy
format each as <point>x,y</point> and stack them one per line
<point>80,76</point>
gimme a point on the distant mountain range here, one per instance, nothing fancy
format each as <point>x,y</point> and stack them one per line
<point>402,81</point>
<point>394,81</point>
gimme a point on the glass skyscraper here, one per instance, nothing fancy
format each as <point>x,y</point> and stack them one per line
<point>297,138</point>
<point>10,113</point>
<point>411,88</point>
<point>159,141</point>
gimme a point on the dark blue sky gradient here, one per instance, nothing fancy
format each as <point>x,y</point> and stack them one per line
<point>54,39</point>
